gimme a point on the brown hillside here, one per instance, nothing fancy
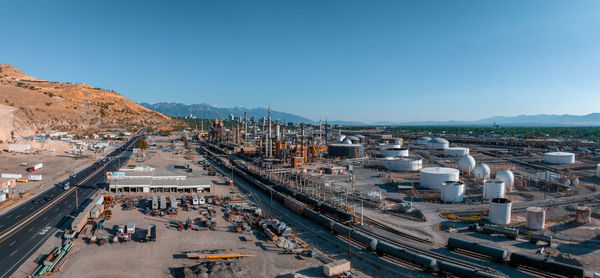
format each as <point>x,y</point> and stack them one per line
<point>30,106</point>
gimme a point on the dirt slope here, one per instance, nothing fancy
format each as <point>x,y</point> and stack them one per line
<point>30,106</point>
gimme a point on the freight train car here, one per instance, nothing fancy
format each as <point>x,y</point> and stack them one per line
<point>546,265</point>
<point>497,254</point>
<point>426,262</point>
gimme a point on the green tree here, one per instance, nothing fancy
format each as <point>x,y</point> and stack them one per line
<point>141,144</point>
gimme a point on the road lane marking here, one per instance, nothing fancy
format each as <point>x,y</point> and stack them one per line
<point>14,252</point>
<point>12,243</point>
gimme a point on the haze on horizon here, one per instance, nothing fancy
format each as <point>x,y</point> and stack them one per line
<point>345,60</point>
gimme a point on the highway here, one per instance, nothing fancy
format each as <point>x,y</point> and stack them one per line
<point>25,228</point>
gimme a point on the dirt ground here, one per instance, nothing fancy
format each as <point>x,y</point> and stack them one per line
<point>56,168</point>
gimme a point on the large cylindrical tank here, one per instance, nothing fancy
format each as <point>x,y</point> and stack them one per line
<point>583,215</point>
<point>340,138</point>
<point>409,163</point>
<point>392,150</point>
<point>423,140</point>
<point>456,151</point>
<point>507,177</point>
<point>500,209</point>
<point>346,150</point>
<point>434,177</point>
<point>493,189</point>
<point>353,139</point>
<point>559,158</point>
<point>466,164</point>
<point>536,218</point>
<point>482,172</point>
<point>453,191</point>
<point>438,144</point>
<point>598,170</point>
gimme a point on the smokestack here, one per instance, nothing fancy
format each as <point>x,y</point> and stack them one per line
<point>277,132</point>
<point>245,126</point>
<point>269,146</point>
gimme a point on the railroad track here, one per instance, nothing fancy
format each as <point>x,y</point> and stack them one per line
<point>374,223</point>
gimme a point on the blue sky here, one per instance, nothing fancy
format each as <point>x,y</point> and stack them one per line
<point>344,60</point>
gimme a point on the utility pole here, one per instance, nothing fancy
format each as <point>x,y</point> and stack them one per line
<point>76,201</point>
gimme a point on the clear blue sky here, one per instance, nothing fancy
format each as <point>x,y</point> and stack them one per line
<point>345,60</point>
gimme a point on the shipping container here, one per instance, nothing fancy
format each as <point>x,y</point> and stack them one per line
<point>22,180</point>
<point>79,222</point>
<point>11,176</point>
<point>36,167</point>
<point>295,205</point>
<point>35,177</point>
<point>336,268</point>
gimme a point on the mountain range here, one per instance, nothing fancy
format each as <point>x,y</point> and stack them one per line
<point>207,111</point>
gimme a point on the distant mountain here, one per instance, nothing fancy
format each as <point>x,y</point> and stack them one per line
<point>542,120</point>
<point>206,111</point>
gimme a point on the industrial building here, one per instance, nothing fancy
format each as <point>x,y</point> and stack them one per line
<point>158,186</point>
<point>145,175</point>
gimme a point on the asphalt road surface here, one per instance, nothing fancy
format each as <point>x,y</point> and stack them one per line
<point>25,228</point>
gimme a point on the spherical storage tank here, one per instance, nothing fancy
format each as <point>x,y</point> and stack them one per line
<point>559,158</point>
<point>409,163</point>
<point>453,191</point>
<point>536,218</point>
<point>493,189</point>
<point>456,151</point>
<point>438,144</point>
<point>466,164</point>
<point>392,150</point>
<point>423,140</point>
<point>482,172</point>
<point>500,209</point>
<point>507,177</point>
<point>434,177</point>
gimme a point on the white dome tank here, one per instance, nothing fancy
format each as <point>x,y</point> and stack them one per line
<point>453,192</point>
<point>493,189</point>
<point>340,138</point>
<point>391,150</point>
<point>482,172</point>
<point>466,164</point>
<point>409,163</point>
<point>434,177</point>
<point>575,181</point>
<point>536,218</point>
<point>559,158</point>
<point>507,177</point>
<point>347,141</point>
<point>423,140</point>
<point>500,209</point>
<point>456,151</point>
<point>438,144</point>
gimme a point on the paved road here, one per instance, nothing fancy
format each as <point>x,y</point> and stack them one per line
<point>26,227</point>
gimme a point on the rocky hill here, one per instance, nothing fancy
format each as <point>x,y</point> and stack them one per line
<point>30,106</point>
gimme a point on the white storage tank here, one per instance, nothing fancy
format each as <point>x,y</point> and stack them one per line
<point>507,177</point>
<point>598,170</point>
<point>340,138</point>
<point>390,150</point>
<point>500,209</point>
<point>453,191</point>
<point>456,151</point>
<point>536,218</point>
<point>493,189</point>
<point>482,172</point>
<point>409,163</point>
<point>466,164</point>
<point>423,140</point>
<point>438,144</point>
<point>559,158</point>
<point>434,177</point>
